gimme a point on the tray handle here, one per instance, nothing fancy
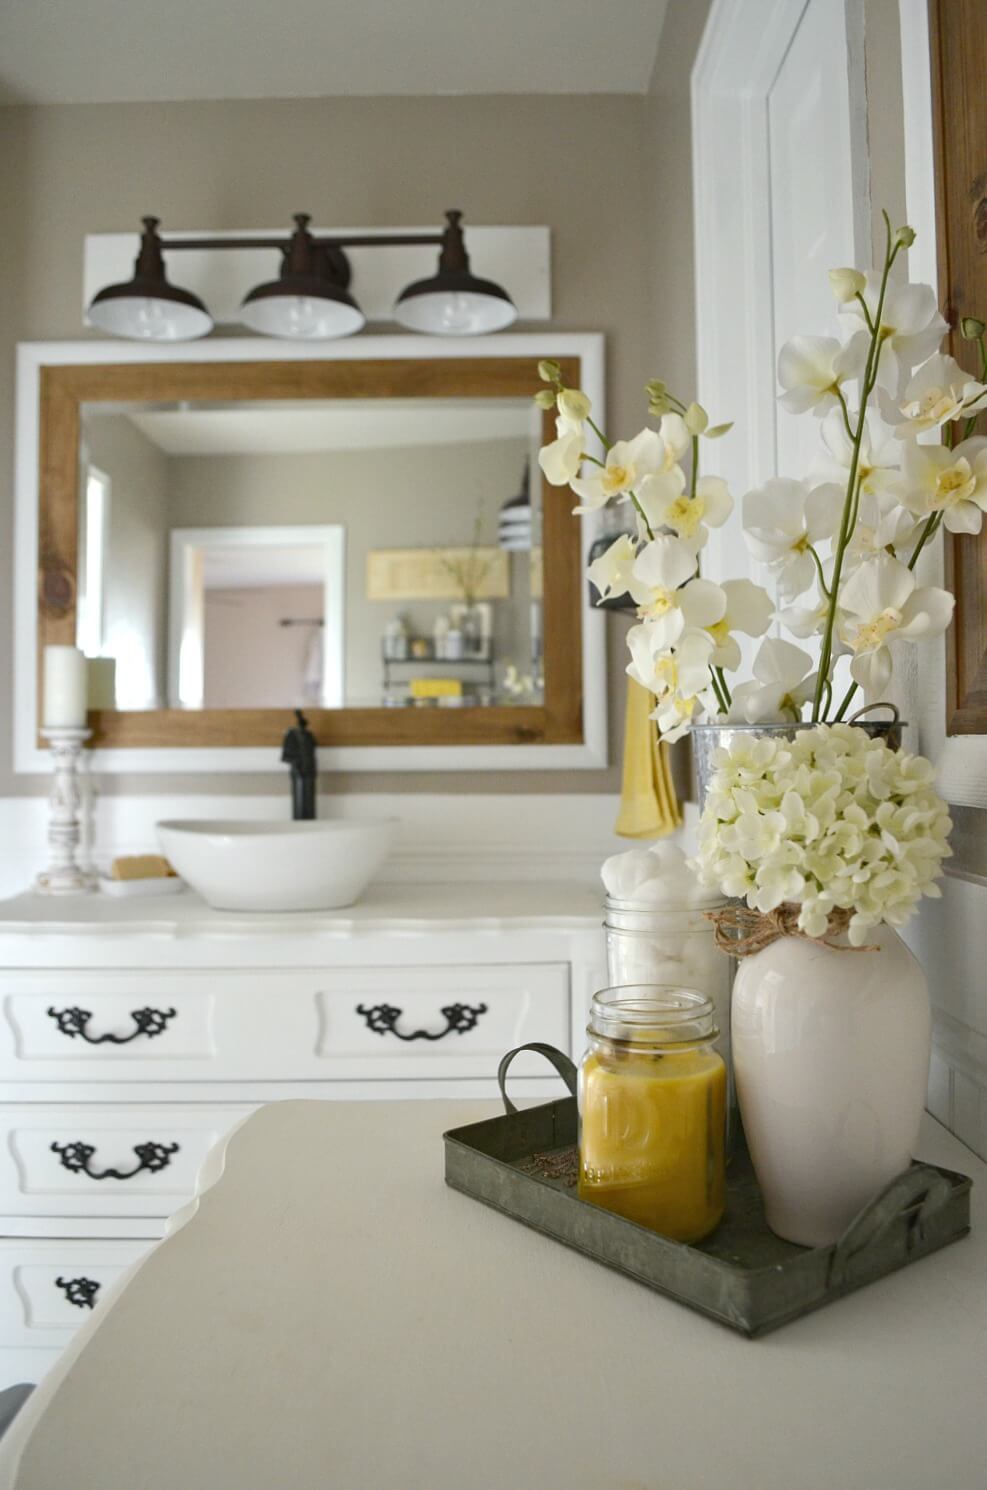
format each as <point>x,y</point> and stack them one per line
<point>563,1065</point>
<point>920,1190</point>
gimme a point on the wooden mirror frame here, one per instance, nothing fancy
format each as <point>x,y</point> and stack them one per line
<point>163,375</point>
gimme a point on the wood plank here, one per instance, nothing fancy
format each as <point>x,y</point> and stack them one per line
<point>958,34</point>
<point>66,388</point>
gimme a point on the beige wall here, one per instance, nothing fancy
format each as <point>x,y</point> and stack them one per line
<point>582,165</point>
<point>250,661</point>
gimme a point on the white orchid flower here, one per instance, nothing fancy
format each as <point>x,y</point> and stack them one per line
<point>878,465</point>
<point>811,369</point>
<point>561,459</point>
<point>667,504</point>
<point>611,572</point>
<point>881,602</point>
<point>846,283</point>
<point>940,391</point>
<point>574,409</point>
<point>749,610</point>
<point>782,520</point>
<point>911,330</point>
<point>628,462</point>
<point>804,621</point>
<point>782,684</point>
<point>882,523</point>
<point>953,482</point>
<point>675,438</point>
<point>660,669</point>
<point>667,595</point>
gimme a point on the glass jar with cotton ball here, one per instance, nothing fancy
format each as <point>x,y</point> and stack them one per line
<point>657,932</point>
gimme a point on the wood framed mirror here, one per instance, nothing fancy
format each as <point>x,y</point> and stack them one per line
<point>408,453</point>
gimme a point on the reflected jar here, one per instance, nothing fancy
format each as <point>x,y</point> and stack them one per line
<point>652,1110</point>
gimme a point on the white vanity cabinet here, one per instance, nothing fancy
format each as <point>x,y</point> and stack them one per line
<point>135,1034</point>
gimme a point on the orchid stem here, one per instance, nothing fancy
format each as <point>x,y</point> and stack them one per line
<point>846,702</point>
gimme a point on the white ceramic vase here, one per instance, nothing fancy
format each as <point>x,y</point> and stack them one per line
<point>831,1057</point>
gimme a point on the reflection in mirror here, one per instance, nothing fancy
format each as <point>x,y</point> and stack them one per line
<point>330,553</point>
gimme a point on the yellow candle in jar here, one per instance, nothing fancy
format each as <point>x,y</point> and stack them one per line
<point>652,1136</point>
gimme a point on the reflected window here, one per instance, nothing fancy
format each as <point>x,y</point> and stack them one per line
<point>94,527</point>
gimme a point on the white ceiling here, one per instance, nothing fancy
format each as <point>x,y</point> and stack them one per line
<point>107,51</point>
<point>356,425</point>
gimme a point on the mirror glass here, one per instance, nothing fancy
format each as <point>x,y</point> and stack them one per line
<point>336,553</point>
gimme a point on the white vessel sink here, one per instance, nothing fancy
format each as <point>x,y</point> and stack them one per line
<point>306,866</point>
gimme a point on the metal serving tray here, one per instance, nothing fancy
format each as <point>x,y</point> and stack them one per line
<point>743,1275</point>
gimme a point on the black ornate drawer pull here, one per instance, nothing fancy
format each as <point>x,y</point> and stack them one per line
<point>383,1020</point>
<point>79,1291</point>
<point>74,1021</point>
<point>152,1156</point>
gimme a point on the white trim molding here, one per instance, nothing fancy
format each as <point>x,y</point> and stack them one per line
<point>33,356</point>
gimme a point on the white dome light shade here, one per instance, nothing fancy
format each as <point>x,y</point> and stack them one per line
<point>310,301</point>
<point>445,310</point>
<point>148,317</point>
<point>147,307</point>
<point>297,317</point>
<point>454,302</point>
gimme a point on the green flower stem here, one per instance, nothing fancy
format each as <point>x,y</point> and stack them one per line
<point>863,303</point>
<point>607,444</point>
<point>819,570</point>
<point>642,515</point>
<point>846,702</point>
<point>931,528</point>
<point>695,466</point>
<point>718,690</point>
<point>724,686</point>
<point>843,406</point>
<point>853,496</point>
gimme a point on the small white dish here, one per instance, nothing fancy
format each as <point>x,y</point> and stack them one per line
<point>123,889</point>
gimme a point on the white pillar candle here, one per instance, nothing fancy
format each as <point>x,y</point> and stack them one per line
<point>65,688</point>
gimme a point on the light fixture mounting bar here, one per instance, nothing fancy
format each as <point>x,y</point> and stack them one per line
<point>385,240</point>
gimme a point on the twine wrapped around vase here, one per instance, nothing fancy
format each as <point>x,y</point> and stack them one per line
<point>742,932</point>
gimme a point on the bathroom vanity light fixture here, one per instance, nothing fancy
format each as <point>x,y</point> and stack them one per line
<point>310,299</point>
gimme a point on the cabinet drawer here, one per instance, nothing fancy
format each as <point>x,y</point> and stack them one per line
<point>277,1025</point>
<point>49,1288</point>
<point>93,1160</point>
<point>439,1022</point>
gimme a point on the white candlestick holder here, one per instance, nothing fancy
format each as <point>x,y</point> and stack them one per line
<point>64,875</point>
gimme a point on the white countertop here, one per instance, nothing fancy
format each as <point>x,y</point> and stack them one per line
<point>545,905</point>
<point>332,1317</point>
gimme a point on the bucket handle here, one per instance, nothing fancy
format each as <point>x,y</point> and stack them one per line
<point>921,1189</point>
<point>563,1065</point>
<point>884,704</point>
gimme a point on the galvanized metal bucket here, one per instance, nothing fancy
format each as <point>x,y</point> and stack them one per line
<point>707,739</point>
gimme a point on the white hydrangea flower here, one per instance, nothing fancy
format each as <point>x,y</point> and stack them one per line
<point>831,819</point>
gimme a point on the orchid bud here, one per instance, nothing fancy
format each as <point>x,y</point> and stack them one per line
<point>717,431</point>
<point>545,398</point>
<point>659,406</point>
<point>549,371</point>
<point>656,389</point>
<point>906,236</point>
<point>972,329</point>
<point>574,405</point>
<point>846,284</point>
<point>696,419</point>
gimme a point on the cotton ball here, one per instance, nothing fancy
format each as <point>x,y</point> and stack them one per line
<point>623,873</point>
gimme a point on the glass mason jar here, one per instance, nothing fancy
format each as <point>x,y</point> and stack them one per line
<point>671,945</point>
<point>652,1110</point>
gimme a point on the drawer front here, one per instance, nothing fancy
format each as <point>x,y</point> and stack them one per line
<point>93,1160</point>
<point>277,1025</point>
<point>450,1022</point>
<point>49,1288</point>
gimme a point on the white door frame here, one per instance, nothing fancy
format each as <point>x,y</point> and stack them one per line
<point>743,47</point>
<point>186,630</point>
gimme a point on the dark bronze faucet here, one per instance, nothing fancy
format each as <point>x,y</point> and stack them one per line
<point>298,751</point>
